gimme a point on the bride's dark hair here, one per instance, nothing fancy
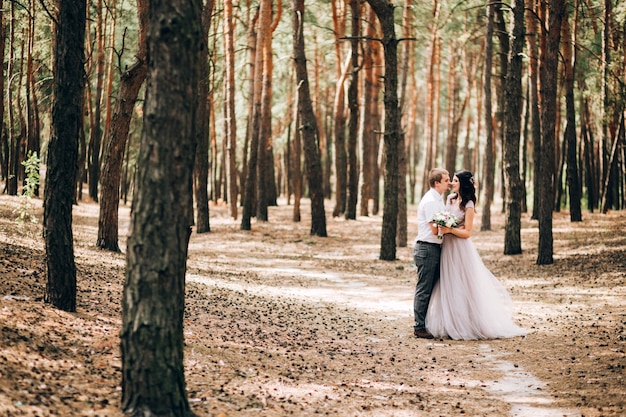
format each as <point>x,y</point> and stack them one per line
<point>467,189</point>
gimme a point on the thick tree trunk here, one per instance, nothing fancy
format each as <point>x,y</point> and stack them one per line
<point>201,171</point>
<point>512,133</point>
<point>230,122</point>
<point>339,111</point>
<point>341,158</point>
<point>573,185</point>
<point>548,76</point>
<point>489,164</point>
<point>4,145</point>
<point>370,121</point>
<point>95,138</point>
<point>308,126</point>
<point>115,145</point>
<point>384,11</point>
<point>153,381</point>
<point>67,116</point>
<point>353,105</point>
<point>533,100</point>
<point>255,159</point>
<point>251,44</point>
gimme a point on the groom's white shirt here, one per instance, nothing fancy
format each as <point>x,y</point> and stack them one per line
<point>431,204</point>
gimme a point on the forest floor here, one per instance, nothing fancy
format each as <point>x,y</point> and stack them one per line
<point>281,323</point>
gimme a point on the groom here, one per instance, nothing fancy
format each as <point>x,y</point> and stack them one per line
<point>427,250</point>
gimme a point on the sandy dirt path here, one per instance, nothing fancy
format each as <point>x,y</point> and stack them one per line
<point>280,323</point>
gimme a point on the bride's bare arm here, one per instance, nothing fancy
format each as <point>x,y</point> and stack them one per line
<point>465,231</point>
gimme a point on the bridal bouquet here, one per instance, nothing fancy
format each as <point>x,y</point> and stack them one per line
<point>445,218</point>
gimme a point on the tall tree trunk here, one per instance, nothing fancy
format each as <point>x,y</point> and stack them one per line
<point>22,138</point>
<point>266,186</point>
<point>4,145</point>
<point>252,197</point>
<point>588,160</point>
<point>512,134</point>
<point>308,126</point>
<point>489,164</point>
<point>533,100</point>
<point>201,171</point>
<point>569,64</point>
<point>503,69</point>
<point>115,145</point>
<point>296,161</point>
<point>67,117</point>
<point>452,139</point>
<point>370,121</point>
<point>339,111</point>
<point>384,11</point>
<point>110,72</point>
<point>353,105</point>
<point>33,129</point>
<point>367,151</point>
<point>613,74</point>
<point>153,381</point>
<point>230,123</point>
<point>548,78</point>
<point>13,154</point>
<point>430,134</point>
<point>407,129</point>
<point>95,139</point>
<point>251,22</point>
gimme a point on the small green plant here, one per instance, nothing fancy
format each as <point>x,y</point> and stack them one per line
<point>31,166</point>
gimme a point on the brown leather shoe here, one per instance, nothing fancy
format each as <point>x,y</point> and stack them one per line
<point>423,334</point>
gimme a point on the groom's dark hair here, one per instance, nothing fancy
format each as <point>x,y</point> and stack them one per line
<point>436,174</point>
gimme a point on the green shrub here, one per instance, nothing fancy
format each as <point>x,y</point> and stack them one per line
<point>31,165</point>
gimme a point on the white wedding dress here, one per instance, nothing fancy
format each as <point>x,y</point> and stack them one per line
<point>468,302</point>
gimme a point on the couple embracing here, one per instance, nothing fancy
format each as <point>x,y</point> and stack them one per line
<point>456,296</point>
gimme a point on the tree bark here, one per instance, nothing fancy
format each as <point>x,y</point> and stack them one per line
<point>4,145</point>
<point>32,111</point>
<point>432,105</point>
<point>406,123</point>
<point>512,134</point>
<point>153,305</point>
<point>489,165</point>
<point>115,145</point>
<point>533,100</point>
<point>308,126</point>
<point>353,106</point>
<point>201,171</point>
<point>296,163</point>
<point>255,158</point>
<point>370,121</point>
<point>13,154</point>
<point>384,11</point>
<point>230,122</point>
<point>573,185</point>
<point>548,79</point>
<point>67,116</point>
<point>95,137</point>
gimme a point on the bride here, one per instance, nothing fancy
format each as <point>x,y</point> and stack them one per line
<point>468,302</point>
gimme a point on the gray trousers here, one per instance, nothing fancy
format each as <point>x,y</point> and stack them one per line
<point>426,258</point>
